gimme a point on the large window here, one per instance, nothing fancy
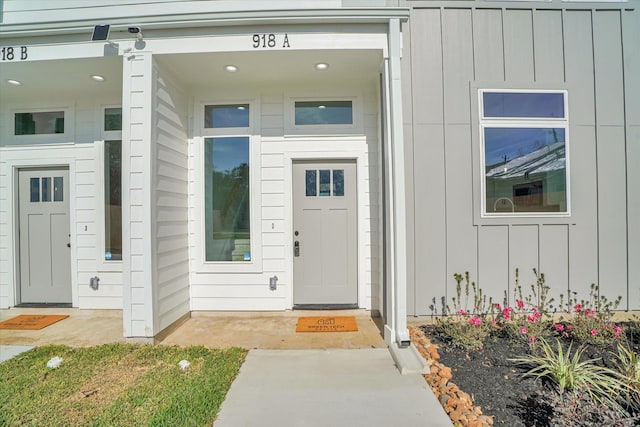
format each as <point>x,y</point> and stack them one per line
<point>112,121</point>
<point>227,197</point>
<point>227,184</point>
<point>524,152</point>
<point>113,200</point>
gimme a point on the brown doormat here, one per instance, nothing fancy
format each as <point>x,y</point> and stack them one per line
<point>327,324</point>
<point>32,321</point>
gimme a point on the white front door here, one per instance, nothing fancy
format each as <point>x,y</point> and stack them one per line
<point>45,260</point>
<point>325,261</point>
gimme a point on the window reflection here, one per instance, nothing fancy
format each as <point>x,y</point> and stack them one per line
<point>311,183</point>
<point>226,116</point>
<point>41,123</point>
<point>324,113</point>
<point>227,199</point>
<point>113,200</point>
<point>525,169</point>
<point>526,105</point>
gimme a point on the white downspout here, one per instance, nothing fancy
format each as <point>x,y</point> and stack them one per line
<point>397,197</point>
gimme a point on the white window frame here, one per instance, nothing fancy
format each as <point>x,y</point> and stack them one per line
<point>322,129</point>
<point>104,264</point>
<point>44,138</point>
<point>255,201</point>
<point>520,122</point>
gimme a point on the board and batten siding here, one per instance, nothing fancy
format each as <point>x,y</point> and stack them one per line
<point>211,290</point>
<point>170,216</point>
<point>594,55</point>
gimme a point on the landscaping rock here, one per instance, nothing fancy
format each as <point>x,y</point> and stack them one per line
<point>458,404</point>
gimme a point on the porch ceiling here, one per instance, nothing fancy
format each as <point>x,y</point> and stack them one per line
<point>207,69</point>
<point>69,77</point>
<point>72,77</point>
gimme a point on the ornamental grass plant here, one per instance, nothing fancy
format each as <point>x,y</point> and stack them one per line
<point>571,372</point>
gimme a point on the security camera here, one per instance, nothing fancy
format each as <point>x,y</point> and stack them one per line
<point>134,30</point>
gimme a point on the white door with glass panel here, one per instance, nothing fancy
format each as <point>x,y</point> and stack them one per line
<point>45,263</point>
<point>325,262</point>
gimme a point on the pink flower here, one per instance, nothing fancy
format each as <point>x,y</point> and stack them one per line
<point>532,339</point>
<point>578,307</point>
<point>506,313</point>
<point>523,330</point>
<point>520,303</point>
<point>618,331</point>
<point>559,327</point>
<point>497,306</point>
<point>594,332</point>
<point>476,321</point>
<point>589,313</point>
<point>462,312</point>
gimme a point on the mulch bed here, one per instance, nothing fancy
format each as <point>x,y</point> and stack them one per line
<point>492,389</point>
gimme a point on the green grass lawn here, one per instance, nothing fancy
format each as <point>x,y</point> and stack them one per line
<point>116,385</point>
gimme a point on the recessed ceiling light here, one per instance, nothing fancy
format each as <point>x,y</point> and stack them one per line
<point>230,68</point>
<point>321,66</point>
<point>98,78</point>
<point>14,82</point>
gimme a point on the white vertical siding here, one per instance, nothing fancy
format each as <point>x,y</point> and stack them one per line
<point>171,261</point>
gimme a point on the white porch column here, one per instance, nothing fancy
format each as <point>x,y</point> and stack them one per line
<point>397,290</point>
<point>137,260</point>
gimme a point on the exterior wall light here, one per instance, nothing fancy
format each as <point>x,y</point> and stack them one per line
<point>321,66</point>
<point>14,82</point>
<point>98,78</point>
<point>230,68</point>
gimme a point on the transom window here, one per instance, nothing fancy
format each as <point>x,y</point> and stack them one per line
<point>323,113</point>
<point>524,152</point>
<point>39,123</point>
<point>226,116</point>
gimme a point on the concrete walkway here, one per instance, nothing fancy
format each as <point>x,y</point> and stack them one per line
<point>307,388</point>
<point>289,379</point>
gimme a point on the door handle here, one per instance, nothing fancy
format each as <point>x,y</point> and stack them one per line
<point>296,248</point>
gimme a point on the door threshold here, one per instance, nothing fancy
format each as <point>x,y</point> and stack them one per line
<point>324,306</point>
<point>44,305</point>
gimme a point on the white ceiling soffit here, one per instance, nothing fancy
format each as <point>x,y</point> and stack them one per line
<point>207,69</point>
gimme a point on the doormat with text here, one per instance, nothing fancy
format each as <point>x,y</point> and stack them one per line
<point>327,324</point>
<point>32,321</point>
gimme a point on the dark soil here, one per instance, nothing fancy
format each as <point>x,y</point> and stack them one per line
<point>498,386</point>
